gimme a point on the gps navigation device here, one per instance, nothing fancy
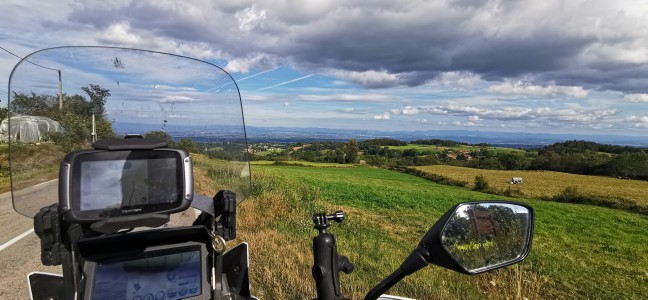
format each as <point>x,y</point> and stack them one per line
<point>98,184</point>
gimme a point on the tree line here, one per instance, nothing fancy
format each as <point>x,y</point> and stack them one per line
<point>578,157</point>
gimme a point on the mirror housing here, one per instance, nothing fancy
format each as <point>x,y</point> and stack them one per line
<point>477,237</point>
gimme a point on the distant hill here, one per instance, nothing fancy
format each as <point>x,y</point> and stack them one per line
<point>294,135</point>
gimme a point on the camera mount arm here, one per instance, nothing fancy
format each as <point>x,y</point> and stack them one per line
<point>328,264</point>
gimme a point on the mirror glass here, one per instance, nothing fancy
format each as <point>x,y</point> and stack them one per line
<point>484,235</point>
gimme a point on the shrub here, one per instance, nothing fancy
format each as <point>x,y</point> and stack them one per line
<point>481,184</point>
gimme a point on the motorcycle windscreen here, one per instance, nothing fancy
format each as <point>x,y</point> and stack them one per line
<point>64,99</point>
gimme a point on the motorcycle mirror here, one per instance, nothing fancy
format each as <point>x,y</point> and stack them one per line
<point>471,238</point>
<point>477,237</point>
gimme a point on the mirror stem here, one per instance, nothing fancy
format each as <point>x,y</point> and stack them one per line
<point>385,284</point>
<point>418,259</point>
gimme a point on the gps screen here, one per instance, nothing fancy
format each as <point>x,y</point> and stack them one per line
<point>157,276</point>
<point>114,184</point>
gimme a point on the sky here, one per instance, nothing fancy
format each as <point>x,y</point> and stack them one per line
<point>519,66</point>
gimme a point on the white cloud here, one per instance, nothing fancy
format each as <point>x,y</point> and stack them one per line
<point>385,116</point>
<point>407,110</point>
<point>637,98</point>
<point>371,78</point>
<point>582,43</point>
<point>638,121</point>
<point>573,114</point>
<point>464,124</point>
<point>368,97</point>
<point>258,61</point>
<point>526,89</point>
<point>121,33</point>
<point>458,80</point>
<point>250,18</point>
<point>177,99</point>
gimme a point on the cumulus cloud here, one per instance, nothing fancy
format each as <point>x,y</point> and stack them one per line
<point>458,80</point>
<point>258,61</point>
<point>250,18</point>
<point>588,44</point>
<point>637,98</point>
<point>638,121</point>
<point>526,89</point>
<point>370,78</point>
<point>407,110</point>
<point>574,114</point>
<point>385,116</point>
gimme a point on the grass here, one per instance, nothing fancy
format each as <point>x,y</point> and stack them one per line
<point>32,164</point>
<point>579,251</point>
<point>302,163</point>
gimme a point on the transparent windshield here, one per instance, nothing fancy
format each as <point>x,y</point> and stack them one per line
<point>62,99</point>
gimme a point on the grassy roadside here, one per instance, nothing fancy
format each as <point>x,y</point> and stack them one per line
<point>33,164</point>
<point>579,251</point>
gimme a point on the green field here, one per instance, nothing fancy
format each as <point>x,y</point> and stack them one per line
<point>579,251</point>
<point>303,163</point>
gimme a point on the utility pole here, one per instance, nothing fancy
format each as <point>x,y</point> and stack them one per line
<point>94,129</point>
<point>60,91</point>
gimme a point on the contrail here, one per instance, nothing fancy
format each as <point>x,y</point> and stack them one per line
<point>239,80</point>
<point>254,75</point>
<point>285,82</point>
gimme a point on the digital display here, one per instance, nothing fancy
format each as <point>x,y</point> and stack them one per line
<point>115,184</point>
<point>155,277</point>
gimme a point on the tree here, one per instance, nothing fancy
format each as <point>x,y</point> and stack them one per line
<point>32,104</point>
<point>351,150</point>
<point>4,112</point>
<point>340,156</point>
<point>98,97</point>
<point>512,161</point>
<point>188,145</point>
<point>160,135</point>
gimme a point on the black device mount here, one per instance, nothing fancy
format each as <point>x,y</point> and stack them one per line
<point>328,264</point>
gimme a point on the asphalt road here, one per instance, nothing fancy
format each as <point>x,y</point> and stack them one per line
<point>22,257</point>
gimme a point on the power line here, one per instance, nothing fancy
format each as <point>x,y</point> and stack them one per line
<point>35,64</point>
